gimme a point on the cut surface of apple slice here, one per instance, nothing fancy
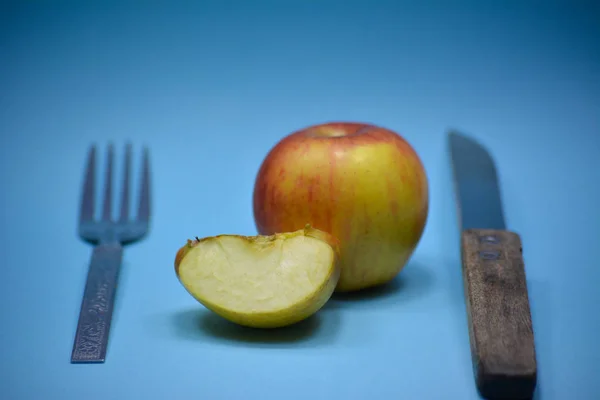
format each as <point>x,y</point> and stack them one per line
<point>261,281</point>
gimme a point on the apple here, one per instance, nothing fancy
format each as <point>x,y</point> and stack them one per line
<point>261,281</point>
<point>362,183</point>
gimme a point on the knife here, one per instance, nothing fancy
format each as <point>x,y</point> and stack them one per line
<point>497,304</point>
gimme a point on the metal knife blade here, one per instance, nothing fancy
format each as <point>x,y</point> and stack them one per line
<point>497,302</point>
<point>476,184</point>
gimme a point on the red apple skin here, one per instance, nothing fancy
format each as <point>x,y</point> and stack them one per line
<point>362,183</point>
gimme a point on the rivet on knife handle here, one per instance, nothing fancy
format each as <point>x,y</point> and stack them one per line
<point>500,327</point>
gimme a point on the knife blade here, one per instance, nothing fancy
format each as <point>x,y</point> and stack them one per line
<point>497,303</point>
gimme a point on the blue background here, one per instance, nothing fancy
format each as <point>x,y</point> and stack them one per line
<point>210,87</point>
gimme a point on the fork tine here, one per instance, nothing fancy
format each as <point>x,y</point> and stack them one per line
<point>106,212</point>
<point>125,190</point>
<point>144,206</point>
<point>87,200</point>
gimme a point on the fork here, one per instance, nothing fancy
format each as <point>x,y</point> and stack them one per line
<point>108,237</point>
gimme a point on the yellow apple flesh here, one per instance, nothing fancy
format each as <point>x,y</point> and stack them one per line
<point>363,184</point>
<point>261,281</point>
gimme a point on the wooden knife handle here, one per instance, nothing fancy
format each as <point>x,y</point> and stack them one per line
<point>500,328</point>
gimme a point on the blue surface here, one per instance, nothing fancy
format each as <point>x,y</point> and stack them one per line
<point>210,89</point>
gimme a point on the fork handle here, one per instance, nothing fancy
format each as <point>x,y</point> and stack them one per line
<point>95,316</point>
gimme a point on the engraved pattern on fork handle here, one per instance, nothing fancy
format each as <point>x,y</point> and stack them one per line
<point>95,316</point>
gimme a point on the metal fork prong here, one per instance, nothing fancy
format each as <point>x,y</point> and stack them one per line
<point>124,215</point>
<point>87,199</point>
<point>107,207</point>
<point>144,206</point>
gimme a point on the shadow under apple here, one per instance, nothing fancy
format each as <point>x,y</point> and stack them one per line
<point>202,324</point>
<point>414,282</point>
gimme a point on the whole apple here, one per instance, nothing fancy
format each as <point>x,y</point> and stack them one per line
<point>362,183</point>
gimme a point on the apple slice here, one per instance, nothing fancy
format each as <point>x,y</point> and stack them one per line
<point>261,281</point>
